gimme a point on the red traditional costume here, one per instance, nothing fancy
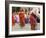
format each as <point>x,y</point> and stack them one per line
<point>13,21</point>
<point>22,19</point>
<point>32,21</point>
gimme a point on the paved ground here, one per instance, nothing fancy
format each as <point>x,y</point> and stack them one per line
<point>27,27</point>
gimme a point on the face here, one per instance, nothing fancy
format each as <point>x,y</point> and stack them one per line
<point>14,13</point>
<point>30,12</point>
<point>33,11</point>
<point>22,10</point>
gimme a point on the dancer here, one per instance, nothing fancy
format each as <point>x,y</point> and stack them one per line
<point>13,19</point>
<point>17,18</point>
<point>22,17</point>
<point>33,20</point>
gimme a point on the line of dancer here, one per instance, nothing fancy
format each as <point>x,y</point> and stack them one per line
<point>24,16</point>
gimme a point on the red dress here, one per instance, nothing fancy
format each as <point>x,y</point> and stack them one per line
<point>13,20</point>
<point>32,20</point>
<point>22,18</point>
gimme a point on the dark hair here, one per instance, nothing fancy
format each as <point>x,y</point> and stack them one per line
<point>30,9</point>
<point>13,9</point>
<point>17,9</point>
<point>25,10</point>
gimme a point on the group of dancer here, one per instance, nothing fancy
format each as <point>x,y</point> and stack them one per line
<point>23,17</point>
